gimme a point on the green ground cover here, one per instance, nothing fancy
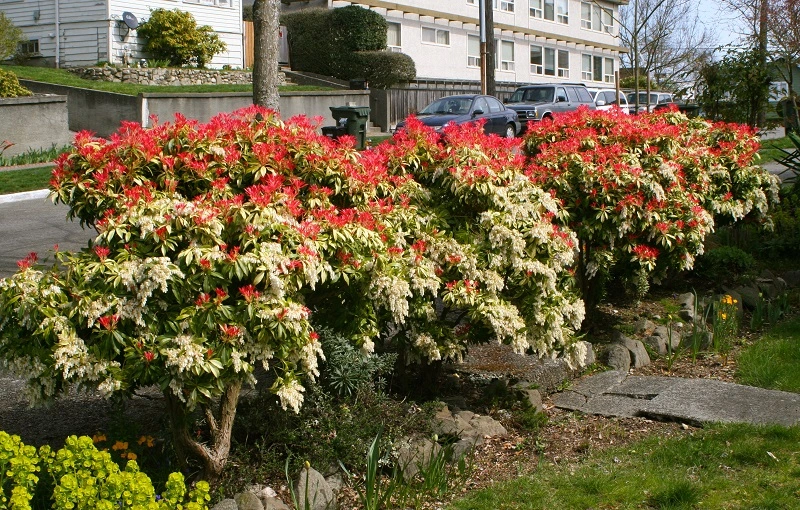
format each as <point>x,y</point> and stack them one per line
<point>16,181</point>
<point>774,361</point>
<point>731,466</point>
<point>769,149</point>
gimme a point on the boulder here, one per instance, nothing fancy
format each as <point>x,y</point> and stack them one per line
<point>310,483</point>
<point>226,504</point>
<point>792,279</point>
<point>618,357</point>
<point>750,296</point>
<point>639,356</point>
<point>272,503</point>
<point>415,453</point>
<point>644,326</point>
<point>248,501</point>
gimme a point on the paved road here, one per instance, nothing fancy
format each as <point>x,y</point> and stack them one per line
<point>31,222</point>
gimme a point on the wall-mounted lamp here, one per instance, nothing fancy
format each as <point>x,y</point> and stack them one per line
<point>36,15</point>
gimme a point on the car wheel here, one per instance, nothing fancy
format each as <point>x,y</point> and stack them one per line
<point>511,131</point>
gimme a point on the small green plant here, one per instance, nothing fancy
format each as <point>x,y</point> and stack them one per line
<point>725,262</point>
<point>670,350</point>
<point>31,156</point>
<point>698,333</point>
<point>173,36</point>
<point>157,62</point>
<point>375,493</point>
<point>726,325</point>
<point>18,467</point>
<point>9,85</point>
<point>347,369</point>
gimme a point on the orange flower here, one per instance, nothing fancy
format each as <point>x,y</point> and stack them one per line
<point>119,445</point>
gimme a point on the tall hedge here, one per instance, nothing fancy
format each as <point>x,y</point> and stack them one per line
<point>345,43</point>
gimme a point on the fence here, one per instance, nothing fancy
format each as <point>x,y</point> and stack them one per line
<point>395,104</point>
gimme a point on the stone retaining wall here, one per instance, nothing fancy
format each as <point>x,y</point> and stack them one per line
<point>166,76</point>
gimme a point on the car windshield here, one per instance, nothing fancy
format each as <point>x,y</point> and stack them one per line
<point>448,105</point>
<point>537,95</point>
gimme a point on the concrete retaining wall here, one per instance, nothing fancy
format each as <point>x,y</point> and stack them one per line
<point>102,112</point>
<point>33,123</point>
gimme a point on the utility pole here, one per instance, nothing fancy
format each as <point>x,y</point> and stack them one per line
<point>486,21</point>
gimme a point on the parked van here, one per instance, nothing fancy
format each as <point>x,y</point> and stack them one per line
<point>604,99</point>
<point>540,101</point>
<point>656,98</point>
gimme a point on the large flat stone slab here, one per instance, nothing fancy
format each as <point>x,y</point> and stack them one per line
<point>695,401</point>
<point>701,401</point>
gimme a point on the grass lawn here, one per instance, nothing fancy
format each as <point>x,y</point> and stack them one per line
<point>718,467</point>
<point>15,181</point>
<point>769,152</point>
<point>62,77</point>
<point>774,361</point>
<point>724,466</point>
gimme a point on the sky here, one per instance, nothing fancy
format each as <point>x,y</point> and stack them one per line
<point>719,19</point>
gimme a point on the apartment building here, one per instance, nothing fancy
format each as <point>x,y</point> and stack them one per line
<point>535,40</point>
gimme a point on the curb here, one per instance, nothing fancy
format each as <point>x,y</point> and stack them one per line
<point>25,195</point>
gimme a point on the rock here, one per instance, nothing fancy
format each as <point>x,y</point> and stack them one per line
<point>644,326</point>
<point>335,482</point>
<point>445,423</point>
<point>274,504</point>
<point>589,357</point>
<point>618,357</point>
<point>248,501</point>
<point>311,483</point>
<point>414,453</point>
<point>529,395</point>
<point>768,288</point>
<point>226,504</point>
<point>751,296</point>
<point>486,426</point>
<point>792,279</point>
<point>657,343</point>
<point>661,339</point>
<point>687,300</point>
<point>463,447</point>
<point>639,356</point>
<point>737,298</point>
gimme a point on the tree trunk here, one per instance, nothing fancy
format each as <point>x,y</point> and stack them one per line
<point>265,66</point>
<point>212,454</point>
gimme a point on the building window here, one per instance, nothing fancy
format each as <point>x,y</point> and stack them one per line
<point>506,54</point>
<point>504,5</point>
<point>537,60</point>
<point>563,64</point>
<point>436,36</point>
<point>594,17</point>
<point>608,71</point>
<point>393,40</point>
<point>472,2</point>
<point>535,7</point>
<point>557,10</point>
<point>473,51</point>
<point>28,47</point>
<point>597,68</point>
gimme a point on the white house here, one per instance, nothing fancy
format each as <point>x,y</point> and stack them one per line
<point>68,33</point>
<point>536,40</point>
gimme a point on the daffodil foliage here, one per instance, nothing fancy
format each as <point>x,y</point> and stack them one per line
<point>219,245</point>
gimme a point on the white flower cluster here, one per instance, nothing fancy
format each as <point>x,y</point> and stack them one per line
<point>311,352</point>
<point>142,278</point>
<point>75,362</point>
<point>185,354</point>
<point>291,395</point>
<point>426,345</point>
<point>393,293</point>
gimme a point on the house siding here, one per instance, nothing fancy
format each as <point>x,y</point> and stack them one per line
<point>460,19</point>
<point>90,29</point>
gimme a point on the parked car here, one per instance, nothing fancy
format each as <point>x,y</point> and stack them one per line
<point>604,99</point>
<point>542,101</point>
<point>467,108</point>
<point>656,98</point>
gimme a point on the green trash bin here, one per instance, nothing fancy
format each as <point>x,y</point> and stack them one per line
<point>354,119</point>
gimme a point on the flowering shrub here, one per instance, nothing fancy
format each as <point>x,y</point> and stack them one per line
<point>18,467</point>
<point>217,241</point>
<point>643,191</point>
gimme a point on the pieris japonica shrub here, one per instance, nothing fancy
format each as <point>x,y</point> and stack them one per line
<point>642,192</point>
<point>217,242</point>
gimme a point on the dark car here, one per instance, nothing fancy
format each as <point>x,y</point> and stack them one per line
<point>470,108</point>
<point>541,101</point>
